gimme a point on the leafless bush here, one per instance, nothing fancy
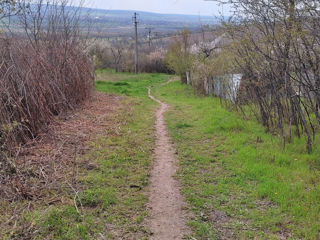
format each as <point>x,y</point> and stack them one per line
<point>120,57</point>
<point>42,75</point>
<point>152,61</point>
<point>277,50</point>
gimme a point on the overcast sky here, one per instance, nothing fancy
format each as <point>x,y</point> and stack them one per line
<point>195,7</point>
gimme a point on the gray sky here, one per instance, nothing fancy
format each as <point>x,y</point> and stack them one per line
<point>195,7</point>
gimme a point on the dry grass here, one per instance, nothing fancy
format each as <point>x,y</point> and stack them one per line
<point>47,168</point>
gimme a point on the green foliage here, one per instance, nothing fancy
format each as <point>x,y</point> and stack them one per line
<point>178,57</point>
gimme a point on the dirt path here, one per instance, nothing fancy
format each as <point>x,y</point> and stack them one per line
<point>167,219</point>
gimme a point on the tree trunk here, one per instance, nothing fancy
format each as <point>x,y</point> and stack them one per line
<point>183,78</point>
<point>188,78</point>
<point>210,88</point>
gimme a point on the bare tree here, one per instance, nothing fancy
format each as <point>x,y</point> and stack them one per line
<point>117,54</point>
<point>42,74</point>
<point>8,8</point>
<point>278,52</point>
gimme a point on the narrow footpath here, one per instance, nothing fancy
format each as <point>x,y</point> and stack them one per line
<point>167,220</point>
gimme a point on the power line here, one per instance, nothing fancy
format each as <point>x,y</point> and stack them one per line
<point>135,22</point>
<point>149,34</point>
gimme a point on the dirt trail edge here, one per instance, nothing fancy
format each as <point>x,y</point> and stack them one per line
<point>167,220</point>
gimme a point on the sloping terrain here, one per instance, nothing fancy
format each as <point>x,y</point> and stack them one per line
<point>94,174</point>
<point>238,179</point>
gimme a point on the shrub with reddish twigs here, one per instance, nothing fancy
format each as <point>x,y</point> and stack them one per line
<point>42,75</point>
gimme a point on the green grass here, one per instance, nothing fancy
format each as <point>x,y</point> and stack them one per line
<point>265,192</point>
<point>66,223</point>
<point>129,84</point>
<point>123,159</point>
<point>228,165</point>
<point>117,188</point>
<point>110,196</point>
<point>111,200</point>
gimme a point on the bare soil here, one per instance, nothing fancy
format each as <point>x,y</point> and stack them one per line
<point>167,218</point>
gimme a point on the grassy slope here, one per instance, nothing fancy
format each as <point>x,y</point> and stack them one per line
<point>112,201</point>
<point>266,193</point>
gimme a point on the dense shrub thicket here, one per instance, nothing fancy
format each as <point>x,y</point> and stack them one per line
<point>43,73</point>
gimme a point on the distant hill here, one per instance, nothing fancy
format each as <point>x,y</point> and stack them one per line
<point>148,17</point>
<point>119,22</point>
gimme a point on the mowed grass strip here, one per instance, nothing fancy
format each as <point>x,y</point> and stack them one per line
<point>237,178</point>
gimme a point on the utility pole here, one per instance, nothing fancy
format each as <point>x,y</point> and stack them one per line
<point>135,22</point>
<point>149,35</point>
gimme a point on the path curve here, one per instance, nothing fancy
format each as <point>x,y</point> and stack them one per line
<point>167,220</point>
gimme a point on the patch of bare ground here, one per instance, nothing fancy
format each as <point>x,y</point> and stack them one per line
<point>220,222</point>
<point>223,224</point>
<point>283,232</point>
<point>167,218</point>
<point>45,171</point>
